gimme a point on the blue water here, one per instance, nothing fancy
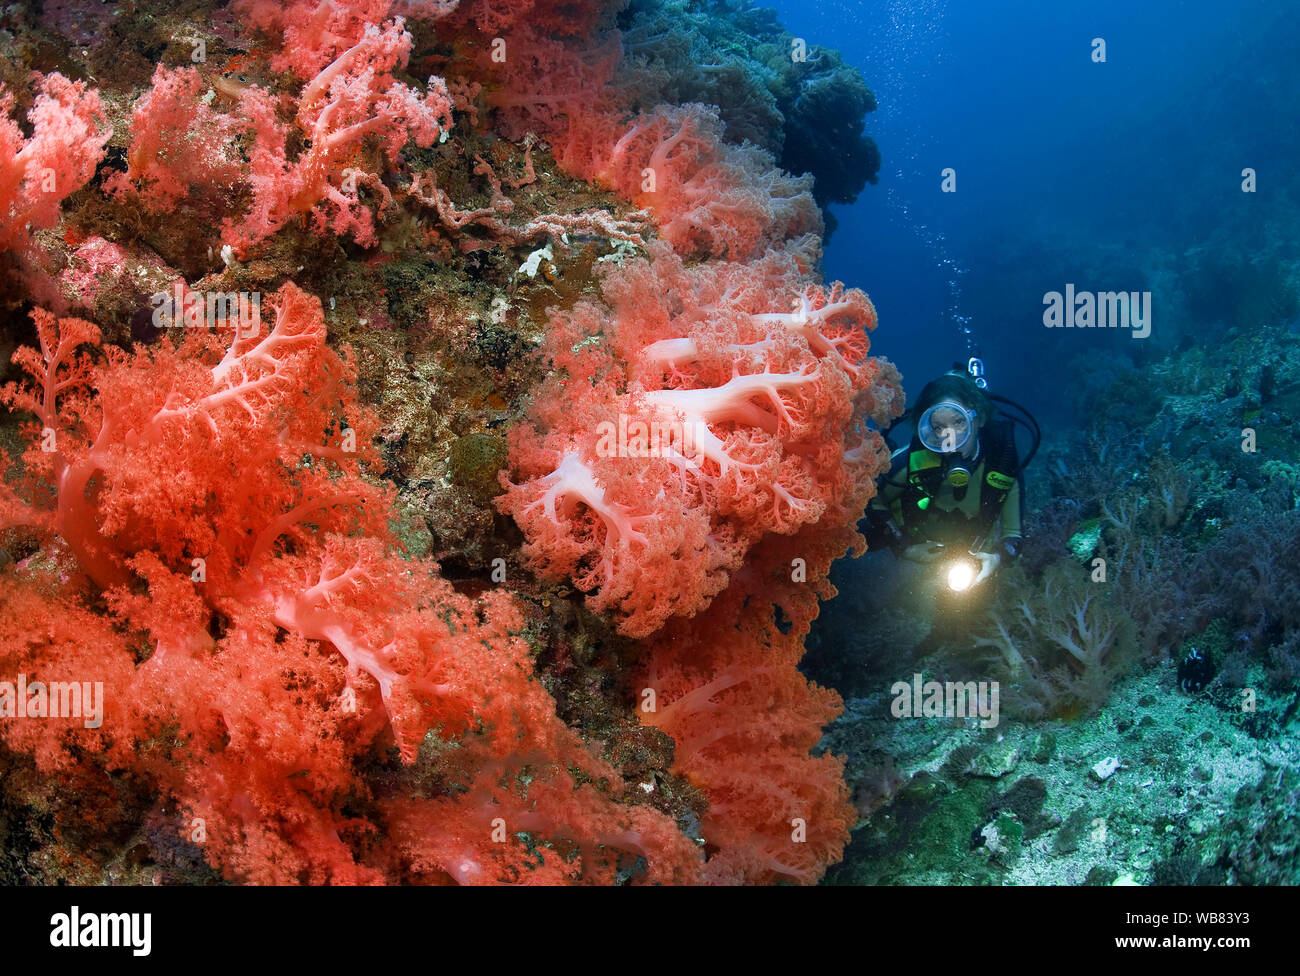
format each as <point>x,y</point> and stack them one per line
<point>1104,174</point>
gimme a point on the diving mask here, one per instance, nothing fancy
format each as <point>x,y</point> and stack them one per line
<point>946,427</point>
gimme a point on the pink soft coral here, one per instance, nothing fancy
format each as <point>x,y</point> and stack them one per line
<point>180,145</point>
<point>353,100</point>
<point>38,173</point>
<point>710,199</point>
<point>312,33</point>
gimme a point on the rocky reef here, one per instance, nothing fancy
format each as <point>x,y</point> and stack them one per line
<point>1145,647</point>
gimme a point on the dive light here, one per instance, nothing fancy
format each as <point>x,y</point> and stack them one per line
<point>962,572</point>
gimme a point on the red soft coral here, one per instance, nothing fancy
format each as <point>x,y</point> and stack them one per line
<point>727,688</point>
<point>522,816</point>
<point>217,503</point>
<point>701,422</point>
<point>229,429</point>
<point>623,532</point>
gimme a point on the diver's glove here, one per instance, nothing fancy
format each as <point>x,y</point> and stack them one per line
<point>1011,547</point>
<point>989,563</point>
<point>924,552</point>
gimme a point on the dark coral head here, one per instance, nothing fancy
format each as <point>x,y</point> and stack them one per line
<point>1195,670</point>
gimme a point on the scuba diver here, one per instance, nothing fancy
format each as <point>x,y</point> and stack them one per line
<point>958,486</point>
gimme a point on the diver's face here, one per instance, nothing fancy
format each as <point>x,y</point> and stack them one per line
<point>953,429</point>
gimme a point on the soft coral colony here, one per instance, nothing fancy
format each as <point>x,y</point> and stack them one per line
<point>202,518</point>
